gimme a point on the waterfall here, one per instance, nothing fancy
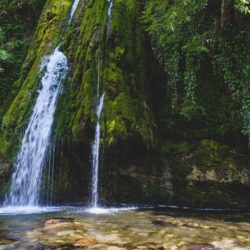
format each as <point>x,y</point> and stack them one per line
<point>26,180</point>
<point>72,11</point>
<point>109,16</point>
<point>110,8</point>
<point>99,108</point>
<point>95,155</point>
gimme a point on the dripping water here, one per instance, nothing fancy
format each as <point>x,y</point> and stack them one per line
<point>95,155</point>
<point>99,108</point>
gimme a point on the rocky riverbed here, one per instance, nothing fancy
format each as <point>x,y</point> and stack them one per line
<point>131,229</point>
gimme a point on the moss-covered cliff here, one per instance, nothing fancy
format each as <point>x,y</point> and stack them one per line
<point>154,147</point>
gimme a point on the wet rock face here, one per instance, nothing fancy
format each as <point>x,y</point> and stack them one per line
<point>136,183</point>
<point>71,173</point>
<point>4,168</point>
<point>203,174</point>
<point>5,173</point>
<point>211,174</point>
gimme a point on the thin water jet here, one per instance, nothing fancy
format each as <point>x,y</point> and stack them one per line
<point>96,144</point>
<point>95,155</point>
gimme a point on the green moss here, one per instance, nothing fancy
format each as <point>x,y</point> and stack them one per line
<point>127,111</point>
<point>81,45</point>
<point>123,74</point>
<point>122,69</point>
<point>212,145</point>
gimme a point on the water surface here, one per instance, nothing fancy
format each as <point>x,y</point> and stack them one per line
<point>132,228</point>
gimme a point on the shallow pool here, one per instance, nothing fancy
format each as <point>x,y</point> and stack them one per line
<point>123,228</point>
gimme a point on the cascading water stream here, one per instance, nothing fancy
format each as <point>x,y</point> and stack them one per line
<point>109,16</point>
<point>26,180</point>
<point>72,11</point>
<point>96,145</point>
<point>30,160</point>
<point>95,155</point>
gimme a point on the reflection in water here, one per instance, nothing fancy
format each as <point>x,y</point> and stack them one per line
<point>74,227</point>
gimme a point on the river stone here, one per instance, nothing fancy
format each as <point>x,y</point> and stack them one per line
<point>145,247</point>
<point>59,225</point>
<point>165,247</point>
<point>54,228</point>
<point>141,248</point>
<point>57,221</point>
<point>197,246</point>
<point>111,239</point>
<point>114,248</point>
<point>85,242</point>
<point>191,225</point>
<point>99,246</point>
<point>163,223</point>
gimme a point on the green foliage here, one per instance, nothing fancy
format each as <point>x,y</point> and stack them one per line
<point>166,23</point>
<point>201,59</point>
<point>17,23</point>
<point>243,6</point>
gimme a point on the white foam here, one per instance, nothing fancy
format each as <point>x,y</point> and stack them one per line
<point>23,210</point>
<point>100,210</point>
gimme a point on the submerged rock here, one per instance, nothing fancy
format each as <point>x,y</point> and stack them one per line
<point>115,248</point>
<point>85,242</point>
<point>144,248</point>
<point>165,247</point>
<point>127,230</point>
<point>56,226</point>
<point>197,246</point>
<point>61,233</point>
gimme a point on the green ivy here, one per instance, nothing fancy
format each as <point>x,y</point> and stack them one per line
<point>204,60</point>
